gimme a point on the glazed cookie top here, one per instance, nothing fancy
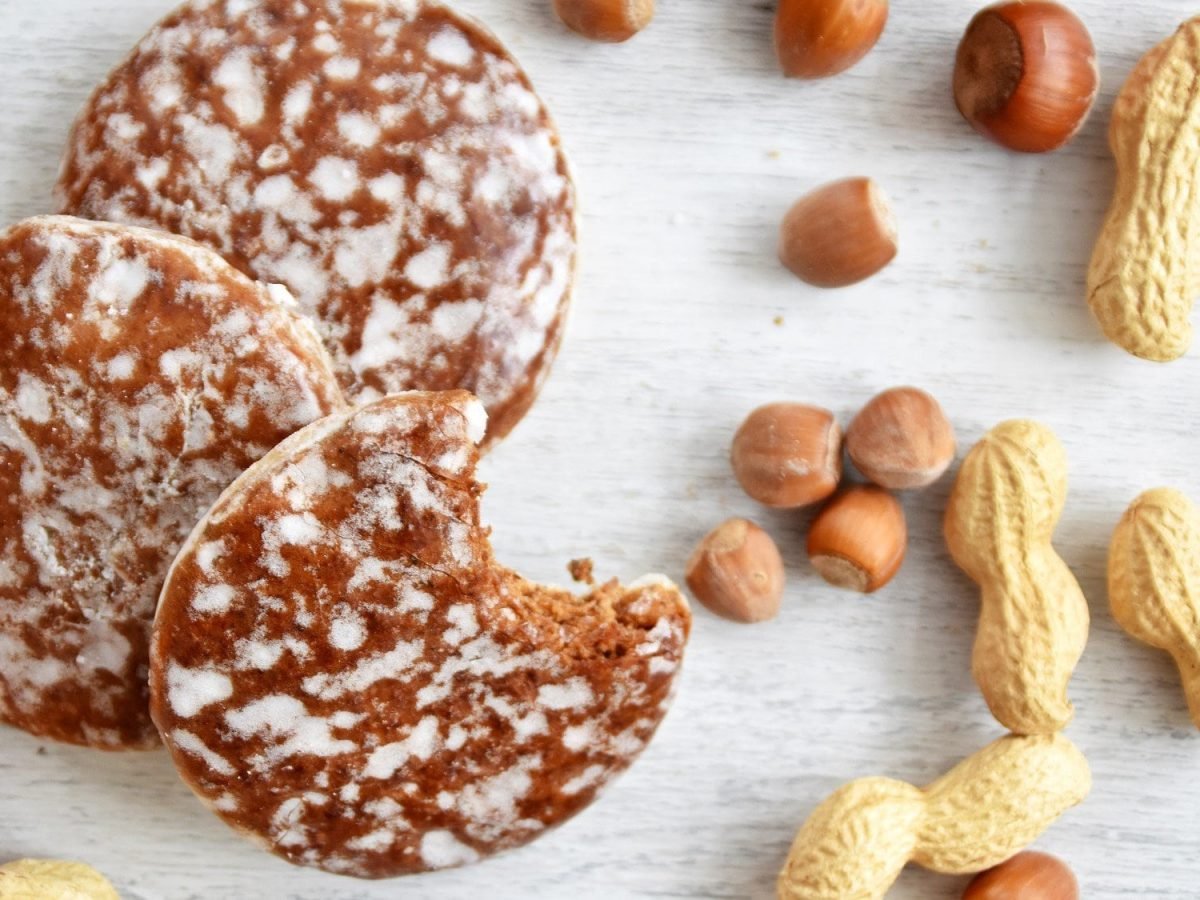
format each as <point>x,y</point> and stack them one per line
<point>342,672</point>
<point>139,375</point>
<point>387,160</point>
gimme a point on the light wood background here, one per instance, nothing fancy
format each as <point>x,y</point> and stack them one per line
<point>689,147</point>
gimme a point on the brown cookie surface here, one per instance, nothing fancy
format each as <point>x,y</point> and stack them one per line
<point>387,160</point>
<point>342,672</point>
<point>139,375</point>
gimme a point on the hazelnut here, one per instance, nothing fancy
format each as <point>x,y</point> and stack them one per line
<point>818,38</point>
<point>839,234</point>
<point>1027,876</point>
<point>736,571</point>
<point>901,439</point>
<point>1025,74</point>
<point>611,21</point>
<point>858,540</point>
<point>787,455</point>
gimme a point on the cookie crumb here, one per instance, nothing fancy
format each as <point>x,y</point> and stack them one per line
<point>582,570</point>
<point>778,320</point>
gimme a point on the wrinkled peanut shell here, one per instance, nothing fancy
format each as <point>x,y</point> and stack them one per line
<point>1033,623</point>
<point>1143,280</point>
<point>1154,580</point>
<point>988,807</point>
<point>53,879</point>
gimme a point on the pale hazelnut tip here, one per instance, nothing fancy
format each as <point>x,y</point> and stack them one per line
<point>842,573</point>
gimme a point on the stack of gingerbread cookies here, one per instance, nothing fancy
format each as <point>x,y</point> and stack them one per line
<point>314,255</point>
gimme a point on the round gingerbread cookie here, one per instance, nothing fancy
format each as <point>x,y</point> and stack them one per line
<point>139,375</point>
<point>386,160</point>
<point>342,671</point>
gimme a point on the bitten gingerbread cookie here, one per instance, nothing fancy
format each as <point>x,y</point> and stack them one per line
<point>342,671</point>
<point>139,375</point>
<point>387,160</point>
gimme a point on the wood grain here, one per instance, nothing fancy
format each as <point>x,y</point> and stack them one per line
<point>689,148</point>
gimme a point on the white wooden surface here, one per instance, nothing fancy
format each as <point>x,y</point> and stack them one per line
<point>688,149</point>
